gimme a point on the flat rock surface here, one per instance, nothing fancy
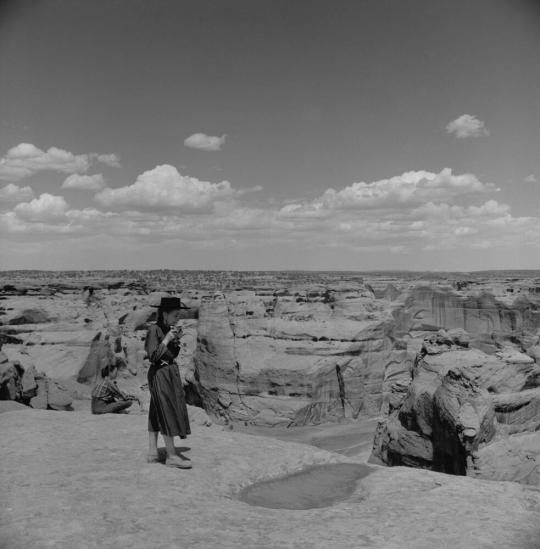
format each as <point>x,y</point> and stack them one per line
<point>73,480</point>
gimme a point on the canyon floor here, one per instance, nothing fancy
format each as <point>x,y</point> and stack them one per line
<point>73,480</point>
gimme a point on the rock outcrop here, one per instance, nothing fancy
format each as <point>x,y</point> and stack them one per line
<point>78,480</point>
<point>30,316</point>
<point>28,387</point>
<point>461,409</point>
<point>276,354</point>
<point>428,308</point>
<point>303,355</point>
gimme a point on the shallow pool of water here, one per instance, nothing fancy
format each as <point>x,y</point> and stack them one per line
<point>313,487</point>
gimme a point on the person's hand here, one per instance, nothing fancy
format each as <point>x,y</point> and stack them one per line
<point>174,333</point>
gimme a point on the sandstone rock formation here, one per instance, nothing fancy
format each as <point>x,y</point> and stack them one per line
<point>77,480</point>
<point>459,409</point>
<point>278,353</point>
<point>10,379</point>
<point>28,387</point>
<point>428,308</point>
<point>30,316</point>
<point>298,356</point>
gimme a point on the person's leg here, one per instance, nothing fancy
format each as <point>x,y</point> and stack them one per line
<point>152,446</point>
<point>169,445</point>
<point>119,406</point>
<point>100,407</point>
<point>173,460</point>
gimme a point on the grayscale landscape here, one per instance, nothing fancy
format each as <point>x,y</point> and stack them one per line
<point>425,385</point>
<point>269,274</point>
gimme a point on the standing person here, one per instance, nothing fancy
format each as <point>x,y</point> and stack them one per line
<point>168,411</point>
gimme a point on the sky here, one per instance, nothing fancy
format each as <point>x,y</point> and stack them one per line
<point>270,134</point>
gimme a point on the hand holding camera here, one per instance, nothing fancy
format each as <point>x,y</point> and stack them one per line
<point>174,334</point>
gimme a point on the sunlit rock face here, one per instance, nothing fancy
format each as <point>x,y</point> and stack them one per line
<point>429,308</point>
<point>302,355</point>
<point>295,354</point>
<point>466,412</point>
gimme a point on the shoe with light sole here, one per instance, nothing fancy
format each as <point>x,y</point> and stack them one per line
<point>178,463</point>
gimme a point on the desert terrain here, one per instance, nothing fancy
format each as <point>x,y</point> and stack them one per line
<point>428,383</point>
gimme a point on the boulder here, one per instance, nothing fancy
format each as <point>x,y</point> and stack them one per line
<point>10,381</point>
<point>99,356</point>
<point>30,316</point>
<point>40,400</point>
<point>51,395</point>
<point>198,416</point>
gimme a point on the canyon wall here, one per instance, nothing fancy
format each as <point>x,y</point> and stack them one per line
<point>294,355</point>
<point>466,412</point>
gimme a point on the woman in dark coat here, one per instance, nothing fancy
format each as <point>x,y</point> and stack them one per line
<point>168,412</point>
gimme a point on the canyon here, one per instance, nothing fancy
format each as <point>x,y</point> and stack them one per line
<point>290,350</point>
<point>327,404</point>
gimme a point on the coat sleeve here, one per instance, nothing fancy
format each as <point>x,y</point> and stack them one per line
<point>155,349</point>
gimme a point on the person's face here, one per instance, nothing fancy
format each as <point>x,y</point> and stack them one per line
<point>171,317</point>
<point>113,373</point>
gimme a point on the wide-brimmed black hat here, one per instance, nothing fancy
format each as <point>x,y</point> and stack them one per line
<point>171,303</point>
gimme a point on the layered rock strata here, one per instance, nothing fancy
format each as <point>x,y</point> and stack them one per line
<point>461,409</point>
<point>298,356</point>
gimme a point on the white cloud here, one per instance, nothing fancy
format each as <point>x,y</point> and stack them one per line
<point>205,142</point>
<point>84,182</point>
<point>110,160</point>
<point>396,192</point>
<point>467,126</point>
<point>13,193</point>
<point>403,215</point>
<point>434,226</point>
<point>26,159</point>
<point>45,208</point>
<point>442,211</point>
<point>164,188</point>
<point>531,178</point>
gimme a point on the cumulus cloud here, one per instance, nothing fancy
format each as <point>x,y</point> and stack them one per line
<point>531,178</point>
<point>13,193</point>
<point>84,182</point>
<point>404,215</point>
<point>47,207</point>
<point>396,192</point>
<point>205,142</point>
<point>26,159</point>
<point>164,188</point>
<point>467,125</point>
